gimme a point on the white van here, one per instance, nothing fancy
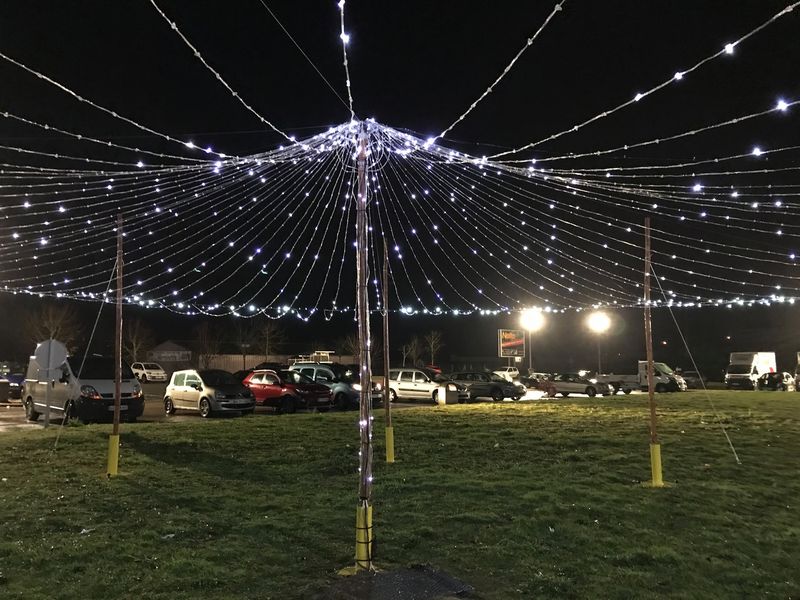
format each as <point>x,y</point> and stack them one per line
<point>89,397</point>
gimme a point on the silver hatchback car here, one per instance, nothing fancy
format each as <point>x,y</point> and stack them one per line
<point>209,392</point>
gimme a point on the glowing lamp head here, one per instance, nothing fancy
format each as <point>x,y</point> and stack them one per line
<point>345,38</point>
<point>757,151</point>
<point>532,319</point>
<point>782,105</point>
<point>598,322</point>
<point>728,48</point>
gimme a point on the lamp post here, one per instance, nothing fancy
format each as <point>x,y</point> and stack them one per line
<point>531,319</point>
<point>599,323</point>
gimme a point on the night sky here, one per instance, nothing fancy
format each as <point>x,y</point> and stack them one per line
<point>417,66</point>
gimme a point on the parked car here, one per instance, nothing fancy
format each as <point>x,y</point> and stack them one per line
<point>148,371</point>
<point>508,373</point>
<point>694,379</point>
<point>344,382</point>
<point>409,383</point>
<point>15,384</point>
<point>209,392</point>
<point>781,382</point>
<point>288,390</point>
<point>572,383</point>
<point>488,385</point>
<point>12,373</point>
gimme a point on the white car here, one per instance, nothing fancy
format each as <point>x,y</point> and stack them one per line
<point>148,371</point>
<point>572,383</point>
<point>509,373</point>
<point>416,384</point>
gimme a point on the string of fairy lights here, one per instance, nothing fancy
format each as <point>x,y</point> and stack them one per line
<point>272,234</point>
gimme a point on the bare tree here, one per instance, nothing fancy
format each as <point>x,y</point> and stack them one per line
<point>245,338</point>
<point>349,345</point>
<point>207,343</point>
<point>137,338</point>
<point>434,342</point>
<point>57,321</point>
<point>414,351</point>
<point>271,336</point>
<point>404,352</point>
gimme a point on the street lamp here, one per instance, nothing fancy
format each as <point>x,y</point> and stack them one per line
<point>599,323</point>
<point>531,319</point>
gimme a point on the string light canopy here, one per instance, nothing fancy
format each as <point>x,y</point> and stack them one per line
<point>272,233</point>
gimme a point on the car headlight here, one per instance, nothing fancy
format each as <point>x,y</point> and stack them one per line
<point>219,395</point>
<point>87,391</point>
<point>378,387</point>
<point>12,384</point>
<point>357,387</point>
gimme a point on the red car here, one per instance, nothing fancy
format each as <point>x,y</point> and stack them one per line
<point>287,390</point>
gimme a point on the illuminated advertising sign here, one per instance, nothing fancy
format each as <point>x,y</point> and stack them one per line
<point>510,343</point>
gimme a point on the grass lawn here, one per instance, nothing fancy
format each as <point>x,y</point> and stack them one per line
<point>519,500</point>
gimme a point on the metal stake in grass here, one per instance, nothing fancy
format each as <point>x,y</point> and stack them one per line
<point>387,399</point>
<point>113,439</point>
<point>655,447</point>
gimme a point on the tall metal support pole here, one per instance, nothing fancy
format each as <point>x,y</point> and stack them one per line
<point>387,396</point>
<point>530,352</point>
<point>113,439</point>
<point>655,446</point>
<point>599,356</point>
<point>364,510</point>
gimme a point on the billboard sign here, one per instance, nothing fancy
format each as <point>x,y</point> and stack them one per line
<point>510,343</point>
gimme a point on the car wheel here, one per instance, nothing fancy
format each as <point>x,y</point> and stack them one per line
<point>591,392</point>
<point>627,390</point>
<point>497,395</point>
<point>287,406</point>
<point>435,396</point>
<point>144,378</point>
<point>565,394</point>
<point>341,401</point>
<point>30,411</point>
<point>615,387</point>
<point>69,411</point>
<point>169,407</point>
<point>205,408</point>
<point>392,395</point>
<point>515,398</point>
<point>661,388</point>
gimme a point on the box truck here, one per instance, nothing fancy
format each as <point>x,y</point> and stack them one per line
<point>744,369</point>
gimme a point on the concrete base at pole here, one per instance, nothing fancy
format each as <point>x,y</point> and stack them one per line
<point>390,444</point>
<point>113,455</point>
<point>657,480</point>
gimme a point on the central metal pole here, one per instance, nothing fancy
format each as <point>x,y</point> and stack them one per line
<point>364,511</point>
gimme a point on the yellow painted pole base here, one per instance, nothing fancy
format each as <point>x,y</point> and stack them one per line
<point>113,455</point>
<point>363,540</point>
<point>390,444</point>
<point>657,480</point>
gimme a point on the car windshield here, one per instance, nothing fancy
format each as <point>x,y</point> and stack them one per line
<point>661,367</point>
<point>295,377</point>
<point>497,378</point>
<point>97,367</point>
<point>216,377</point>
<point>152,366</point>
<point>738,369</point>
